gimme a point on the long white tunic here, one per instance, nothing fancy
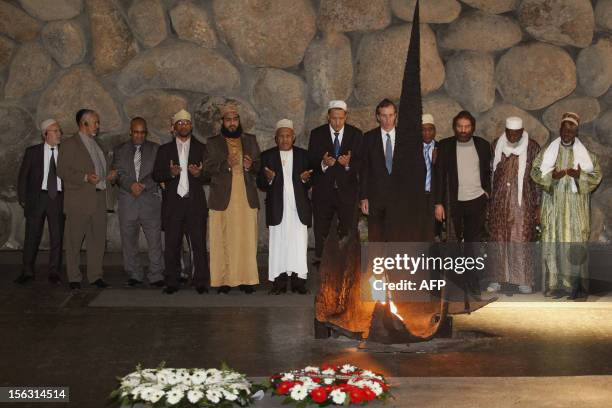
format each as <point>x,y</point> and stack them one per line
<point>289,239</point>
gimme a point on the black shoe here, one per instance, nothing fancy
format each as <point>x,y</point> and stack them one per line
<point>158,284</point>
<point>54,279</point>
<point>248,289</point>
<point>201,289</point>
<point>298,285</point>
<point>224,289</point>
<point>132,283</point>
<point>23,279</point>
<point>74,286</point>
<point>100,284</point>
<point>168,290</point>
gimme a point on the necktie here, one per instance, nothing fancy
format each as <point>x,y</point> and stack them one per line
<point>183,186</point>
<point>336,144</point>
<point>389,154</point>
<point>52,177</point>
<point>428,165</point>
<point>137,161</point>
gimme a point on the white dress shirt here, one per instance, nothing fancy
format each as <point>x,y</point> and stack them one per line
<point>183,153</point>
<point>47,155</point>
<point>333,137</point>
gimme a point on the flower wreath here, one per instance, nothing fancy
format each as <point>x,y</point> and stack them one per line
<point>329,385</point>
<point>183,387</point>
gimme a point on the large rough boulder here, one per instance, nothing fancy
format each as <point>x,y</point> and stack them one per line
<point>493,6</point>
<point>535,75</point>
<point>265,32</point>
<point>443,110</point>
<point>207,117</point>
<point>6,51</point>
<point>381,58</point>
<point>277,94</point>
<point>113,43</point>
<point>354,15</point>
<point>603,14</point>
<point>470,79</point>
<point>594,66</point>
<point>430,11</point>
<point>76,89</point>
<point>587,108</point>
<point>16,24</point>
<point>492,124</point>
<point>65,41</point>
<point>559,22</point>
<point>604,155</point>
<point>29,72</point>
<point>603,127</point>
<point>148,22</point>
<point>191,23</point>
<point>479,31</point>
<point>328,64</point>
<point>157,107</point>
<point>52,10</point>
<point>17,131</point>
<point>179,66</point>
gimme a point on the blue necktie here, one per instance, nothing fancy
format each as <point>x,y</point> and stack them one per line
<point>336,144</point>
<point>426,149</point>
<point>388,154</point>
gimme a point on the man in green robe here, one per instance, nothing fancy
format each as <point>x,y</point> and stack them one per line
<point>567,173</point>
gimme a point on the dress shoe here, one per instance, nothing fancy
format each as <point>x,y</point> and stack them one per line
<point>248,289</point>
<point>23,279</point>
<point>158,284</point>
<point>132,283</point>
<point>75,286</point>
<point>54,279</point>
<point>168,290</point>
<point>201,289</point>
<point>100,284</point>
<point>224,289</point>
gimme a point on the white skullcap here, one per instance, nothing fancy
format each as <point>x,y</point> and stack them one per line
<point>514,123</point>
<point>181,115</point>
<point>571,117</point>
<point>428,118</point>
<point>337,105</point>
<point>284,123</point>
<point>46,123</point>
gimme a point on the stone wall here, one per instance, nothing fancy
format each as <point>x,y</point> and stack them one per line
<point>287,58</point>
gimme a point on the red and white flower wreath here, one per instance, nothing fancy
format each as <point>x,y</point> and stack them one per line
<point>329,385</point>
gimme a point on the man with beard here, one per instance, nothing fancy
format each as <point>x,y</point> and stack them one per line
<point>567,173</point>
<point>233,164</point>
<point>179,166</point>
<point>284,176</point>
<point>462,185</point>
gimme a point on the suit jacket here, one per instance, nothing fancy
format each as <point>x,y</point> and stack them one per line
<point>220,172</point>
<point>324,183</point>
<point>161,174</point>
<point>375,181</point>
<point>147,204</point>
<point>73,163</point>
<point>274,192</point>
<point>31,175</point>
<point>446,181</point>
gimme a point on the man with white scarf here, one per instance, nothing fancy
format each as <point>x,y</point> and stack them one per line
<point>567,173</point>
<point>513,210</point>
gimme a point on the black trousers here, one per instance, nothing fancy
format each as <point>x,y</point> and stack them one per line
<point>377,220</point>
<point>324,212</point>
<point>437,225</point>
<point>179,222</point>
<point>52,211</point>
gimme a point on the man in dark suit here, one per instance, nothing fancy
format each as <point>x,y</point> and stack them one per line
<point>462,186</point>
<point>41,196</point>
<point>334,151</point>
<point>139,204</point>
<point>179,165</point>
<point>376,169</point>
<point>430,154</point>
<point>284,176</point>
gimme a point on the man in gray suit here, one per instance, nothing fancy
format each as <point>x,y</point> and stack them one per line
<point>139,204</point>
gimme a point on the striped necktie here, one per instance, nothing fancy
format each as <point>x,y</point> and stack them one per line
<point>137,161</point>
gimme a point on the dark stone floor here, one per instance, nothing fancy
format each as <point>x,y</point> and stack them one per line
<point>53,338</point>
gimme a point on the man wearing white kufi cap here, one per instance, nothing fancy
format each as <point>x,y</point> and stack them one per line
<point>567,173</point>
<point>40,194</point>
<point>284,176</point>
<point>513,210</point>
